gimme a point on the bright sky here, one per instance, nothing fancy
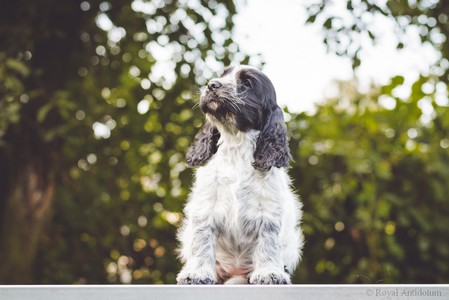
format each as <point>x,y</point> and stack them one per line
<point>296,59</point>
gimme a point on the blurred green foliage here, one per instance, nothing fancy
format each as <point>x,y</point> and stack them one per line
<point>96,105</point>
<point>96,113</point>
<point>349,24</point>
<point>380,158</point>
<point>375,187</point>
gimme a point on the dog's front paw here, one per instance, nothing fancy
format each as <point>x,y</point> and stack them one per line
<point>194,278</point>
<point>269,277</point>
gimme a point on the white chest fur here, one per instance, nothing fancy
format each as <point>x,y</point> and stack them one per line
<point>221,179</point>
<point>234,201</point>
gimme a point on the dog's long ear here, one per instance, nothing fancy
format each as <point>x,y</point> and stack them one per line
<point>272,145</point>
<point>204,145</point>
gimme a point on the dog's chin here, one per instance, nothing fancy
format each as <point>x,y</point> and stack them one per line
<point>213,106</point>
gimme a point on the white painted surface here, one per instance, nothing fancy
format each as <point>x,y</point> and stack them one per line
<point>242,292</point>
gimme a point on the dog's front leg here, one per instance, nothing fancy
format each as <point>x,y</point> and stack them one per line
<point>267,259</point>
<point>200,264</point>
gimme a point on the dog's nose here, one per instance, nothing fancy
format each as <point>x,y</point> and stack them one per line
<point>213,85</point>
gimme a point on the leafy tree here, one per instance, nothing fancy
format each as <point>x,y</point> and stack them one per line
<point>96,113</point>
<point>374,182</point>
<point>346,29</point>
<point>373,167</point>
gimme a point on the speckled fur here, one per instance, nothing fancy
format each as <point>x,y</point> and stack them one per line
<point>241,222</point>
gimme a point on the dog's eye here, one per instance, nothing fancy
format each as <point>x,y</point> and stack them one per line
<point>246,82</point>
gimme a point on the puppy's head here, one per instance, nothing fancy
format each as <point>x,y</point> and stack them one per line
<point>242,99</point>
<point>238,98</point>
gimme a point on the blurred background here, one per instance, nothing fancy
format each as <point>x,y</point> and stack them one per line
<point>97,111</point>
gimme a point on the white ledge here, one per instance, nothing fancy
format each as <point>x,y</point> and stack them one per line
<point>220,292</point>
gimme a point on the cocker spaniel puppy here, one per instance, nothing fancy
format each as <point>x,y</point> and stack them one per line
<point>242,219</point>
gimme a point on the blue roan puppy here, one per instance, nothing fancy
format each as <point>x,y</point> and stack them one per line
<point>242,219</point>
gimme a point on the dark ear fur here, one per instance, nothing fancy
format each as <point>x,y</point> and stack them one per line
<point>204,145</point>
<point>272,145</point>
